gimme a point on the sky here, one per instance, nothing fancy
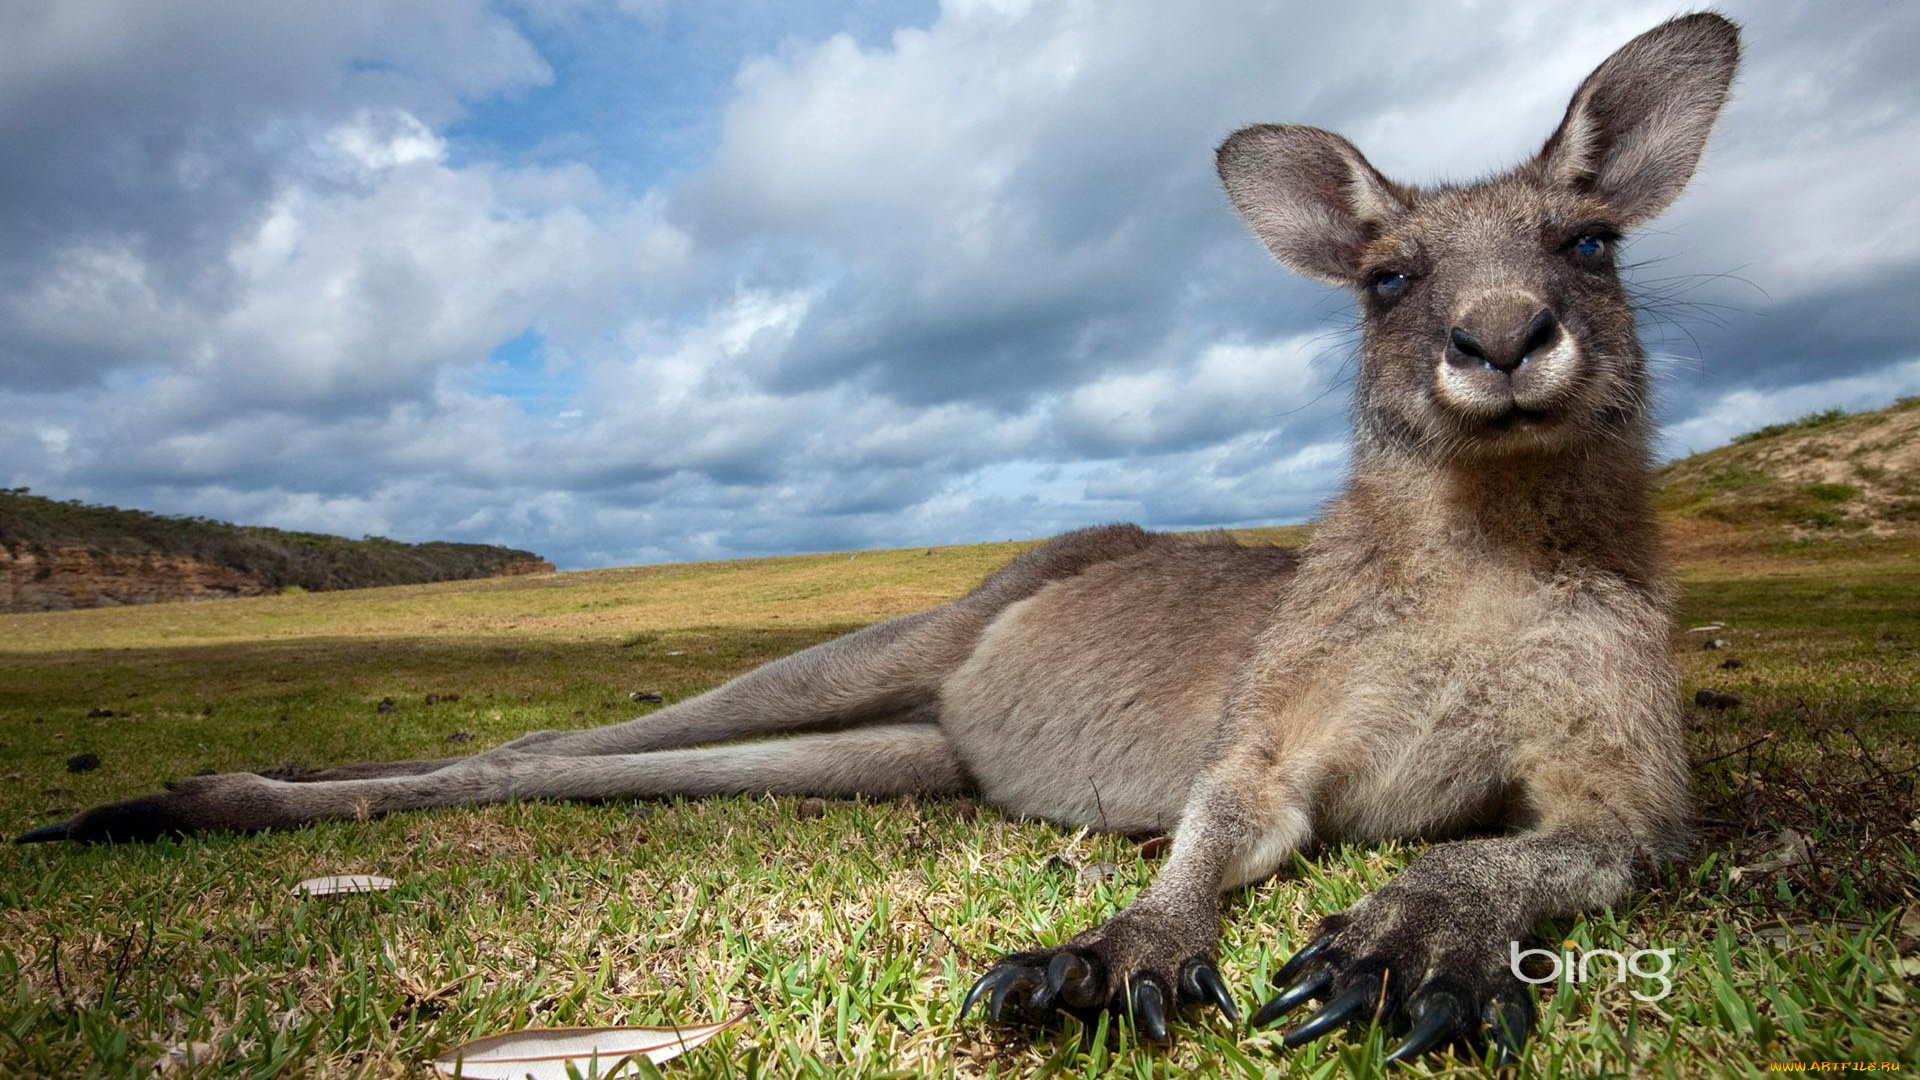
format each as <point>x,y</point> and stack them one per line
<point>630,281</point>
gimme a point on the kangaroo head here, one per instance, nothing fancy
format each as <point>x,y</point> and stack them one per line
<point>1493,316</point>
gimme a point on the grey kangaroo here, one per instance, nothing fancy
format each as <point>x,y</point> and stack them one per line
<point>1474,641</point>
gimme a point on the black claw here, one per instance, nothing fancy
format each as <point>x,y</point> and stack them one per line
<point>1334,1014</point>
<point>1072,980</point>
<point>1435,1016</point>
<point>1025,981</point>
<point>979,987</point>
<point>1202,983</point>
<point>996,984</point>
<point>1511,1019</point>
<point>1310,984</point>
<point>1149,1004</point>
<point>1300,960</point>
<point>46,834</point>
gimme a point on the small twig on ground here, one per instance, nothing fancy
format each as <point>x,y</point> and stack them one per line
<point>1735,750</point>
<point>1868,754</point>
<point>59,979</point>
<point>963,954</point>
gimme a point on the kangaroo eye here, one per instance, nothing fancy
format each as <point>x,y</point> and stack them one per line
<point>1590,247</point>
<point>1389,285</point>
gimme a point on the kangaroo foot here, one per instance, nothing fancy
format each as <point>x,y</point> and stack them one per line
<point>238,801</point>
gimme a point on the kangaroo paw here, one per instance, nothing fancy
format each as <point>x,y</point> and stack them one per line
<point>1129,967</point>
<point>1387,960</point>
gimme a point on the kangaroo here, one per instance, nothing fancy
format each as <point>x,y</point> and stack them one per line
<point>1473,641</point>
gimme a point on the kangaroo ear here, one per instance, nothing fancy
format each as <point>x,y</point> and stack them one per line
<point>1636,127</point>
<point>1309,196</point>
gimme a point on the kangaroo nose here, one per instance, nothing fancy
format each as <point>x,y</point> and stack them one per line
<point>1501,344</point>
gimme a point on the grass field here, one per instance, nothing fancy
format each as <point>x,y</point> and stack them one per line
<point>849,936</point>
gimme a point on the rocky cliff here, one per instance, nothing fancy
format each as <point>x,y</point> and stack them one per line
<point>62,578</point>
<point>73,577</point>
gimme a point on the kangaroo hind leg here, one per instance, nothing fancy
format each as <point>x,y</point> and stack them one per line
<point>881,674</point>
<point>874,675</point>
<point>884,761</point>
<point>368,770</point>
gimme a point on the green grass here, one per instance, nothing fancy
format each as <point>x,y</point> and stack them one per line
<point>850,937</point>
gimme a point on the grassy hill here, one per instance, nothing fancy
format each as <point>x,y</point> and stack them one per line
<point>849,935</point>
<point>138,543</point>
<point>1825,475</point>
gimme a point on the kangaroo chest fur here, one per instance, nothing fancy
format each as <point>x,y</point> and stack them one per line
<point>1415,690</point>
<point>1420,692</point>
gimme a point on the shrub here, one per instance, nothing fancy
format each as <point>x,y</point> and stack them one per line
<point>1824,418</point>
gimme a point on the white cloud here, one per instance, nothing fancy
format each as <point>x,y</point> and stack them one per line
<point>1741,410</point>
<point>376,140</point>
<point>1231,386</point>
<point>98,295</point>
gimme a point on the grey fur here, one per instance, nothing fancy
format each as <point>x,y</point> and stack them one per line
<point>1474,638</point>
